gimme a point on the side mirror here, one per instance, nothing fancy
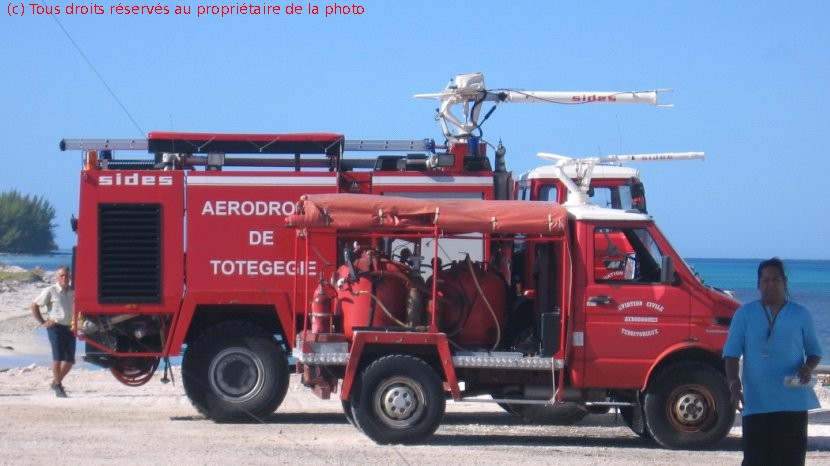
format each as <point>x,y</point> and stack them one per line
<point>667,276</point>
<point>638,197</point>
<point>637,189</point>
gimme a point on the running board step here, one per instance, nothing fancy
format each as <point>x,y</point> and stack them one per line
<point>331,354</point>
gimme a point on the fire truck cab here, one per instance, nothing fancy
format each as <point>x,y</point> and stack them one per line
<point>615,186</point>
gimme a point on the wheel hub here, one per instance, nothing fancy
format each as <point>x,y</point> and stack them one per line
<point>690,409</point>
<point>236,374</point>
<point>399,402</point>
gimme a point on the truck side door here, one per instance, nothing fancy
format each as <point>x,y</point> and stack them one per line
<point>630,316</point>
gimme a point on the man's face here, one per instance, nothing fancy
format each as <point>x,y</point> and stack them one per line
<point>63,278</point>
<point>772,285</point>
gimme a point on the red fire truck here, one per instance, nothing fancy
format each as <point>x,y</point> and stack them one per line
<point>530,324</point>
<point>184,251</point>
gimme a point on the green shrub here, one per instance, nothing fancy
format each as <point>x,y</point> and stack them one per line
<point>26,224</point>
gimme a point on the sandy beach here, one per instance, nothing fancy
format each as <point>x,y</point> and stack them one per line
<point>20,334</point>
<point>103,422</point>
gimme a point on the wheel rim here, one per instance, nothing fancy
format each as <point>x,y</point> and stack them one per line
<point>399,402</point>
<point>690,408</point>
<point>236,374</point>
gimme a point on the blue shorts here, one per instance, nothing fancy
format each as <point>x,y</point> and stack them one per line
<point>63,343</point>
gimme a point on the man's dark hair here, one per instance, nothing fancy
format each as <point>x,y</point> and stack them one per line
<point>774,262</point>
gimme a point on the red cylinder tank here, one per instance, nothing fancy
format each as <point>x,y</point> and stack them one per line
<point>472,319</point>
<point>377,298</point>
<point>321,316</point>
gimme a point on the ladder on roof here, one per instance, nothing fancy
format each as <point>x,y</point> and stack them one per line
<point>366,145</point>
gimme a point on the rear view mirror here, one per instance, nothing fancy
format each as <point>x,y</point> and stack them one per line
<point>638,196</point>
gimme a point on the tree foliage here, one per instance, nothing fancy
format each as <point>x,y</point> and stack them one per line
<point>26,224</point>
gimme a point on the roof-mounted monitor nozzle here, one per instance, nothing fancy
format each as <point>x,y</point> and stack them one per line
<point>469,91</point>
<point>578,190</point>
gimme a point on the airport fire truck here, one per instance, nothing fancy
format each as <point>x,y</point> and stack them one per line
<point>534,322</point>
<point>184,251</point>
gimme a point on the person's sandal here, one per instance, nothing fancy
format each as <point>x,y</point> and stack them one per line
<point>58,388</point>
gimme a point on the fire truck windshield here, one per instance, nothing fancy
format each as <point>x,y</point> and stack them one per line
<point>611,197</point>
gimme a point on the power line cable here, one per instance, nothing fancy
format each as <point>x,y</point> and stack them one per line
<point>100,77</point>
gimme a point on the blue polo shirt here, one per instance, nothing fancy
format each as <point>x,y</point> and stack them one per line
<point>769,356</point>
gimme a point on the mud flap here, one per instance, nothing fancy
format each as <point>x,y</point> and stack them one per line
<point>638,423</point>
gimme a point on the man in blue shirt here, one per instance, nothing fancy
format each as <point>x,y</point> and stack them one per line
<point>778,343</point>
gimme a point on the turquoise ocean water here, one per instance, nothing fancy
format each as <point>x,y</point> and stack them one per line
<point>45,261</point>
<point>809,282</point>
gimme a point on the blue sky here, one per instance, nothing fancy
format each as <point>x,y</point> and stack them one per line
<point>750,82</point>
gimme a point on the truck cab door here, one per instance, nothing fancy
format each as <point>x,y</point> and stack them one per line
<point>633,312</point>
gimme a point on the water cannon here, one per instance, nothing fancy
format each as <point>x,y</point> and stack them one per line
<point>470,92</point>
<point>578,191</point>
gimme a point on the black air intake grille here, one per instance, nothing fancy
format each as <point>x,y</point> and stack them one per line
<point>129,253</point>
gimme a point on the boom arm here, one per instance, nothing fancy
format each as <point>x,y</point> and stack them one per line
<point>578,193</point>
<point>469,90</point>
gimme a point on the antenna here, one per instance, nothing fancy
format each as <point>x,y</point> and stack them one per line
<point>469,92</point>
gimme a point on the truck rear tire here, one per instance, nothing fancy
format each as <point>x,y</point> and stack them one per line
<point>687,407</point>
<point>398,399</point>
<point>235,372</point>
<point>349,413</point>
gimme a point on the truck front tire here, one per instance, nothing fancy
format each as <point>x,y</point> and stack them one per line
<point>398,399</point>
<point>687,407</point>
<point>235,372</point>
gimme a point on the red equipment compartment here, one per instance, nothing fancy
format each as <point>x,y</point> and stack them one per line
<point>375,296</point>
<point>471,312</point>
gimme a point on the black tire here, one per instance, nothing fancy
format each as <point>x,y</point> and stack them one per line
<point>558,414</point>
<point>687,407</point>
<point>398,399</point>
<point>349,413</point>
<point>235,372</point>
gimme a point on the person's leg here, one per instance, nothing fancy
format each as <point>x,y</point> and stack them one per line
<point>55,343</point>
<point>67,350</point>
<point>56,373</point>
<point>65,367</point>
<point>790,432</point>
<point>57,378</point>
<point>64,354</point>
<point>756,439</point>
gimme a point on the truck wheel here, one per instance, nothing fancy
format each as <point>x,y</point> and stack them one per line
<point>398,399</point>
<point>558,414</point>
<point>347,410</point>
<point>687,407</point>
<point>235,372</point>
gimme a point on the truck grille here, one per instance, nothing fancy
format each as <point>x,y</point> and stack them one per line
<point>129,253</point>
